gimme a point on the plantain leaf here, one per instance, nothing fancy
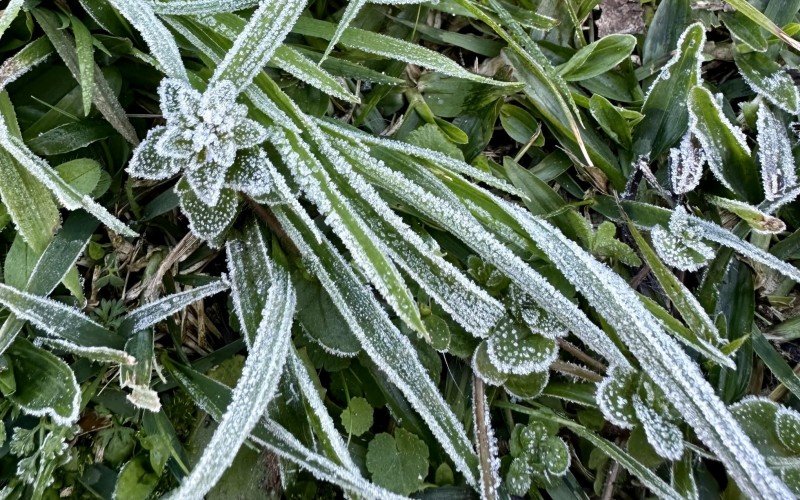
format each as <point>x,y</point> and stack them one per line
<point>597,57</point>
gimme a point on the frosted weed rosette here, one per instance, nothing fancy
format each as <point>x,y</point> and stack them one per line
<point>211,141</point>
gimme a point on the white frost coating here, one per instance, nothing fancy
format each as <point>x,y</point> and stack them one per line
<point>669,367</point>
<point>775,155</point>
<point>255,389</point>
<point>54,318</point>
<point>712,144</point>
<point>680,245</point>
<point>158,38</point>
<point>304,69</point>
<point>252,49</point>
<point>512,350</point>
<point>65,193</point>
<point>724,237</point>
<point>492,483</point>
<point>686,164</point>
<point>612,400</point>
<point>773,87</point>
<point>438,158</point>
<point>153,312</point>
<point>22,62</point>
<point>339,214</point>
<point>95,353</point>
<point>665,437</point>
<point>391,350</point>
<point>450,213</point>
<point>666,70</point>
<point>350,13</point>
<point>198,7</point>
<point>287,446</point>
<point>245,303</point>
<point>313,399</point>
<point>10,11</point>
<point>467,303</point>
<point>144,397</point>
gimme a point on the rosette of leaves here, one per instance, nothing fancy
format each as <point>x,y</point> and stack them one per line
<point>209,139</point>
<point>681,244</point>
<point>539,457</point>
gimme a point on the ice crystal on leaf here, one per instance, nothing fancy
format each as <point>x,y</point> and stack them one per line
<point>514,350</point>
<point>686,164</point>
<point>680,245</point>
<point>209,139</point>
<point>775,155</point>
<point>539,457</point>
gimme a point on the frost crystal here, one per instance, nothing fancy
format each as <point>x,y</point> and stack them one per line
<point>775,154</point>
<point>686,164</point>
<point>681,244</point>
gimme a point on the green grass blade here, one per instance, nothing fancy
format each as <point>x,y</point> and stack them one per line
<point>10,11</point>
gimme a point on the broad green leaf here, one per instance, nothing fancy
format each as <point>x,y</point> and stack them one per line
<point>768,79</point>
<point>85,50</point>
<point>69,197</point>
<point>671,18</point>
<point>745,31</point>
<point>759,18</point>
<point>45,385</point>
<point>399,462</point>
<point>69,137</point>
<point>357,416</point>
<point>611,120</point>
<point>82,174</point>
<point>260,375</point>
<point>597,57</point>
<point>520,125</point>
<point>664,108</point>
<point>136,480</point>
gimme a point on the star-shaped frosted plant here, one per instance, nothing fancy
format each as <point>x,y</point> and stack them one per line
<point>210,140</point>
<point>680,245</point>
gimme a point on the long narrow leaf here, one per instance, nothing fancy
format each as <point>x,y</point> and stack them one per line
<point>153,312</point>
<point>66,194</point>
<point>256,386</point>
<point>255,45</point>
<point>158,38</point>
